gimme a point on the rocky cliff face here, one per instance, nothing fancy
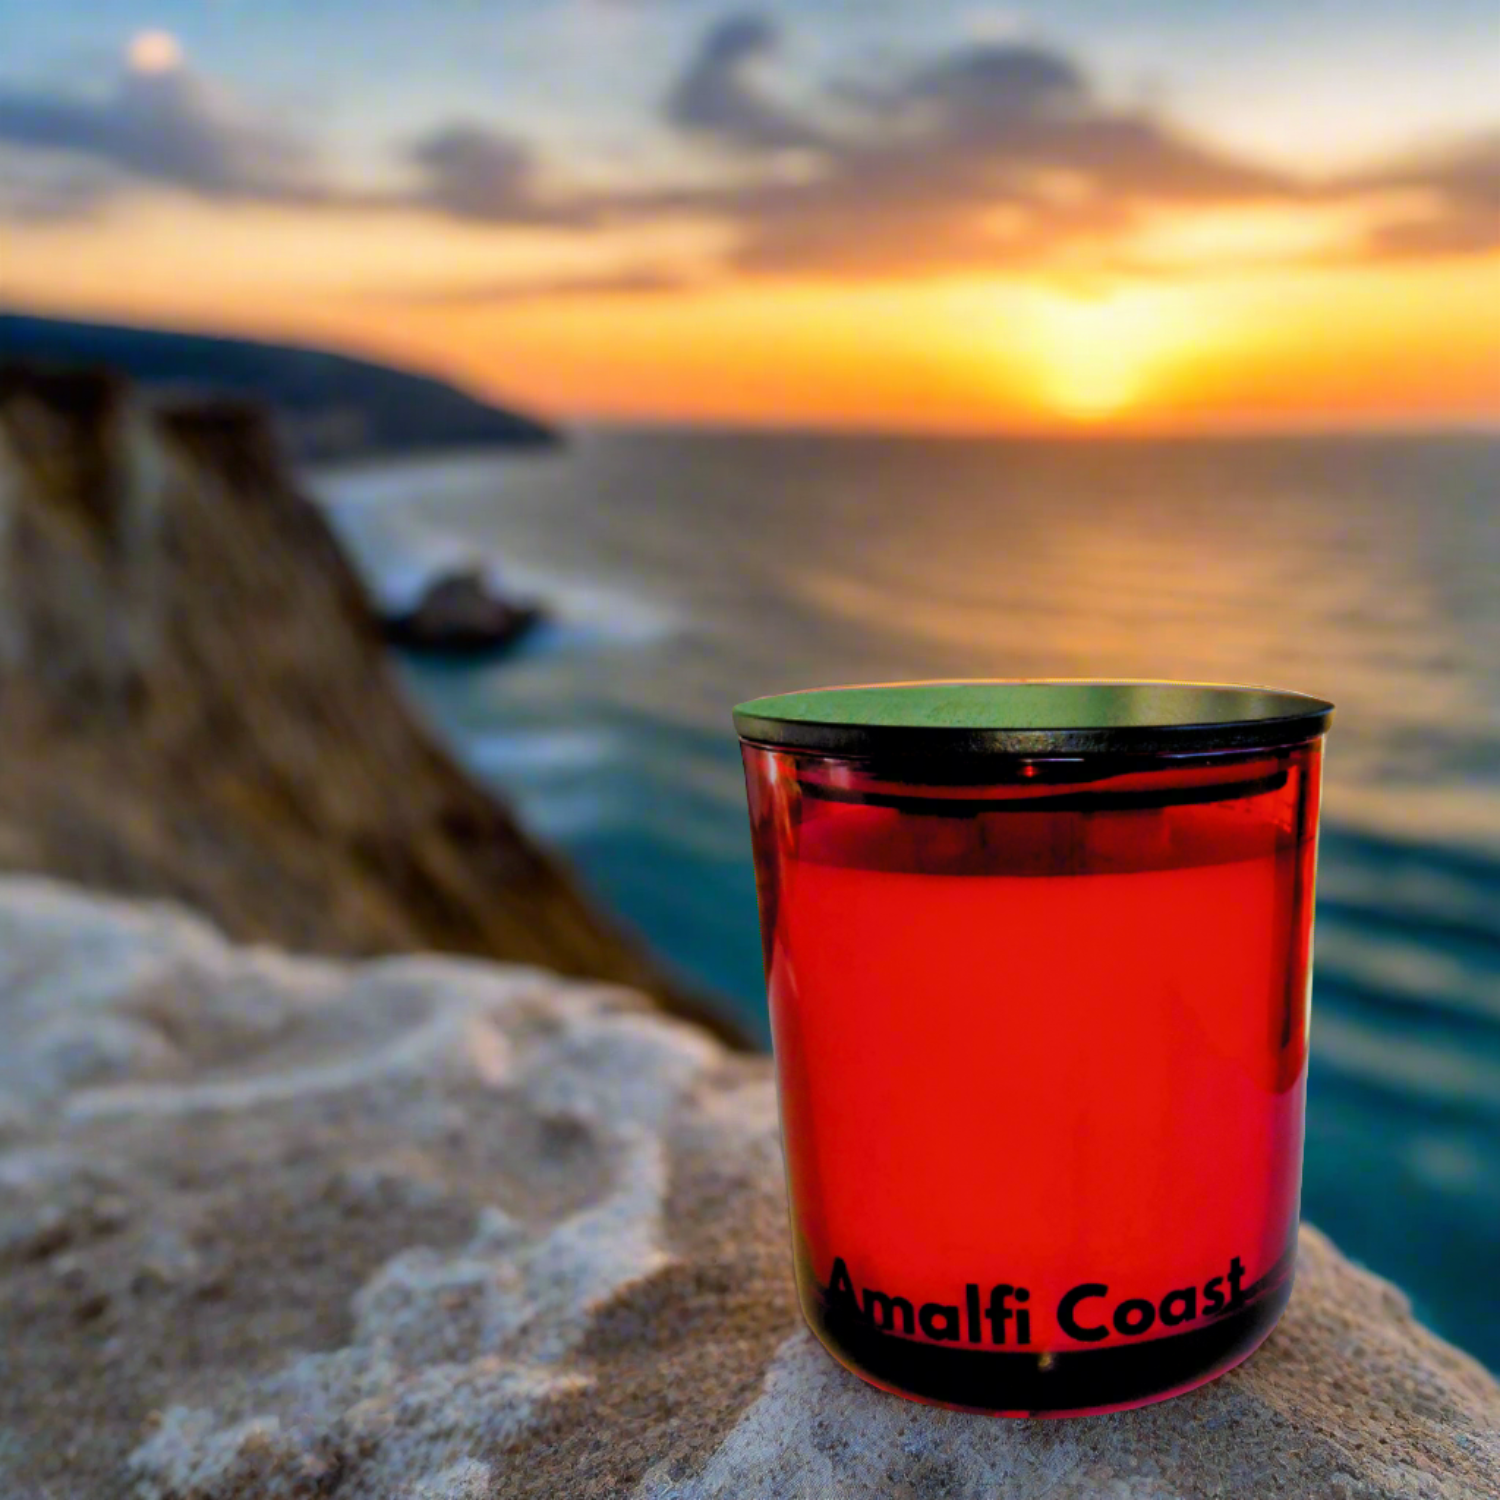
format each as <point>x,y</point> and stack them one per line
<point>195,703</point>
<point>425,1229</point>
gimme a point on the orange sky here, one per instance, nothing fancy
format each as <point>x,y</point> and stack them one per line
<point>1414,342</point>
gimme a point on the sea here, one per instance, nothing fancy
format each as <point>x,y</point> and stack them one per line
<point>687,571</point>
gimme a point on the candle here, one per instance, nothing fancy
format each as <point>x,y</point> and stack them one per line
<point>1040,1023</point>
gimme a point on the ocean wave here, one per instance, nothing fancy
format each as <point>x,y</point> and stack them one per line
<point>399,550</point>
<point>1405,1064</point>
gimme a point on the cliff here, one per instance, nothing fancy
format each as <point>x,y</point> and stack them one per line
<point>195,703</point>
<point>324,405</point>
<point>416,1229</point>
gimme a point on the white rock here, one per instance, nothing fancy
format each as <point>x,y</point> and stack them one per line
<point>598,1301</point>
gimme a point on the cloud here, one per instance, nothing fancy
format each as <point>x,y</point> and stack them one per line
<point>1004,152</point>
<point>34,190</point>
<point>990,85</point>
<point>999,153</point>
<point>471,171</point>
<point>996,153</point>
<point>163,123</point>
<point>719,97</point>
<point>1457,201</point>
<point>631,282</point>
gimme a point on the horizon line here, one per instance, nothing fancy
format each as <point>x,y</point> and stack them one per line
<point>1111,429</point>
<point>1386,427</point>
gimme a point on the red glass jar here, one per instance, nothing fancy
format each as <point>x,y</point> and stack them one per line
<point>1038,957</point>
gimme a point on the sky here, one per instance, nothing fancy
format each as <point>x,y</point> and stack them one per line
<point>1094,215</point>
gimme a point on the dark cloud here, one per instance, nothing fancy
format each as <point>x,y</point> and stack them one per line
<point>982,88</point>
<point>473,172</point>
<point>168,127</point>
<point>175,128</point>
<point>996,153</point>
<point>718,95</point>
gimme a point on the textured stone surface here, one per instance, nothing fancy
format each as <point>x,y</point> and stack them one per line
<point>433,1228</point>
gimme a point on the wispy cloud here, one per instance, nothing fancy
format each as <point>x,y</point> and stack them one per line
<point>719,97</point>
<point>473,171</point>
<point>1457,211</point>
<point>37,189</point>
<point>631,282</point>
<point>162,123</point>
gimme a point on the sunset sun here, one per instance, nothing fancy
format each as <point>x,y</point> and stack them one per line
<point>1096,358</point>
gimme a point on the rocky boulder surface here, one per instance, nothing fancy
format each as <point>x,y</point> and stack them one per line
<point>429,1227</point>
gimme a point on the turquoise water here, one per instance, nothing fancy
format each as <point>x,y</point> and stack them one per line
<point>691,571</point>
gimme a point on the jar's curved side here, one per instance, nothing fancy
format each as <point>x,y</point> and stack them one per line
<point>1040,1048</point>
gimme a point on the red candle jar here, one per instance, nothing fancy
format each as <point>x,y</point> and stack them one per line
<point>1038,956</point>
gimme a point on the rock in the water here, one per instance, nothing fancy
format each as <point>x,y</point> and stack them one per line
<point>427,1227</point>
<point>461,614</point>
<point>195,703</point>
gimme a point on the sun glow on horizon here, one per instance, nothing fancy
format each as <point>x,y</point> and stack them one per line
<point>1241,347</point>
<point>1097,357</point>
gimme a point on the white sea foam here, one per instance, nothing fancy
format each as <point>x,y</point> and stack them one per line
<point>401,543</point>
<point>591,612</point>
